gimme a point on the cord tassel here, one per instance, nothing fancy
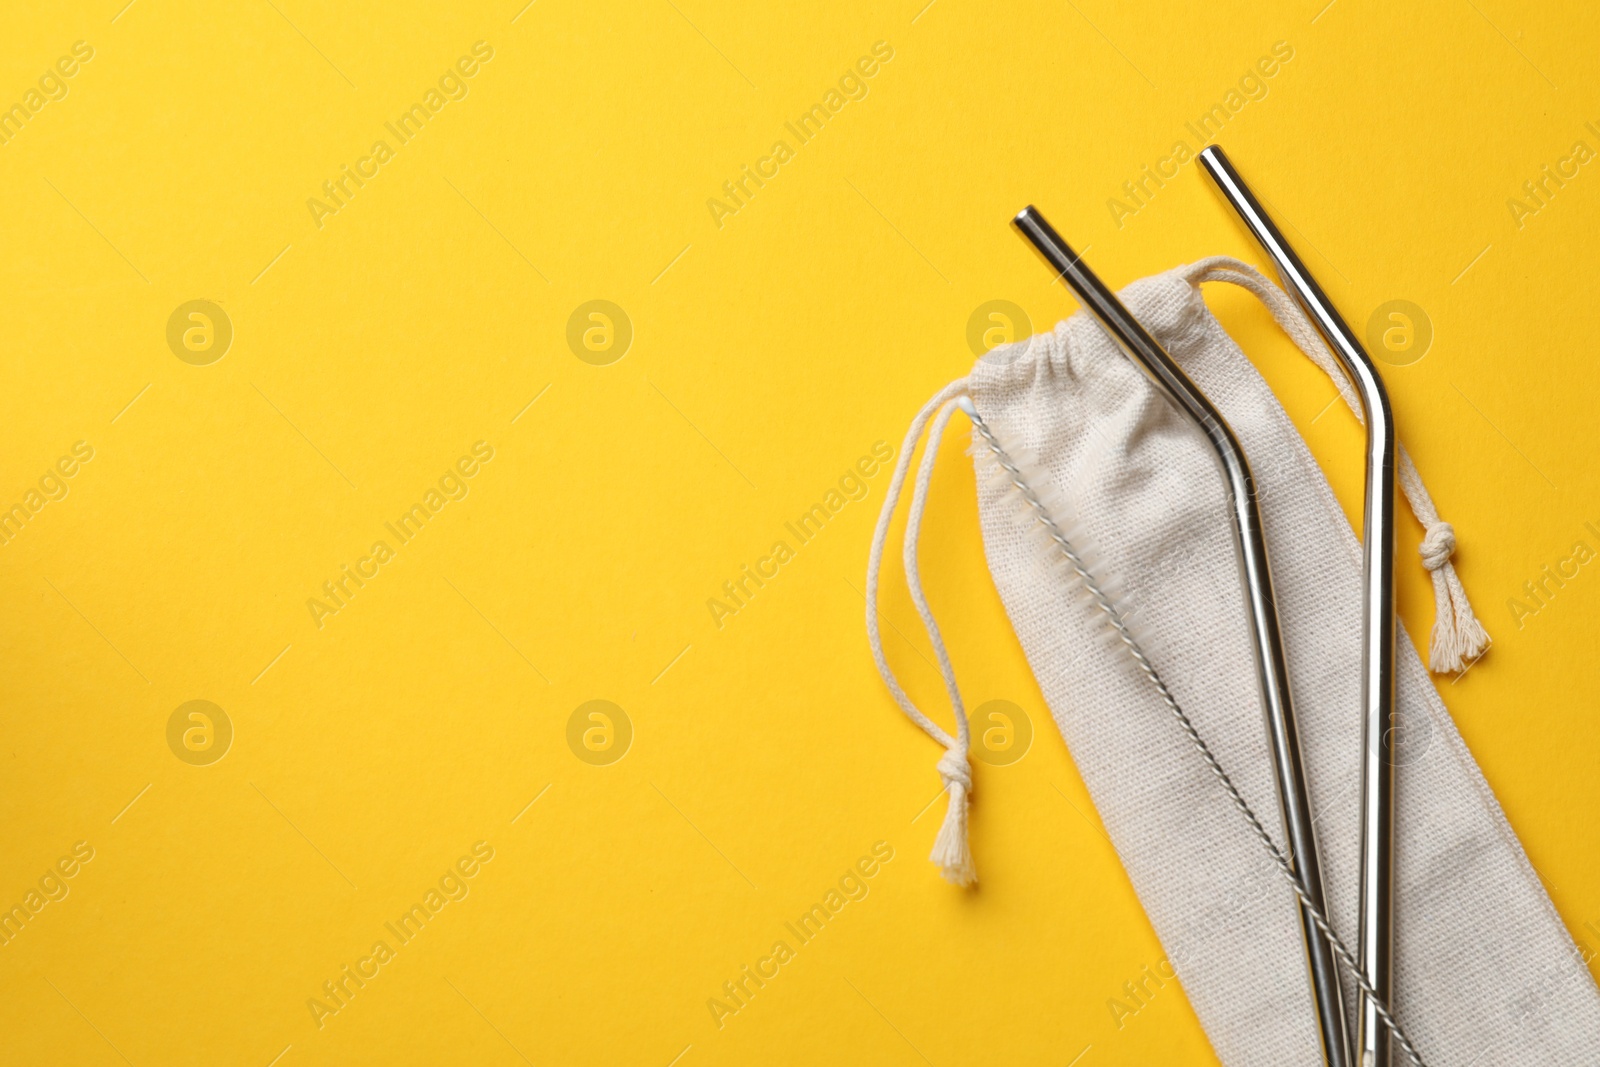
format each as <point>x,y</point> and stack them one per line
<point>1458,636</point>
<point>950,851</point>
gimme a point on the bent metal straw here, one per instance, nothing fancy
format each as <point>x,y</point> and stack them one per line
<point>1376,934</point>
<point>1272,672</point>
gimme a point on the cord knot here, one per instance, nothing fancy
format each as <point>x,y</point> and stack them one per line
<point>1438,545</point>
<point>954,768</point>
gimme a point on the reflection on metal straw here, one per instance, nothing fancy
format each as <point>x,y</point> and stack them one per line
<point>1378,625</point>
<point>1271,669</point>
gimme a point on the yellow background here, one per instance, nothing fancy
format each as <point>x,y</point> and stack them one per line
<point>768,355</point>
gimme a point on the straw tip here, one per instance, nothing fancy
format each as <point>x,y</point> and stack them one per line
<point>1215,162</point>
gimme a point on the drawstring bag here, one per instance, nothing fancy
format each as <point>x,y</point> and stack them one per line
<point>1074,446</point>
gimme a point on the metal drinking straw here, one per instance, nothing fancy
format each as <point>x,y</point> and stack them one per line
<point>1378,624</point>
<point>1271,669</point>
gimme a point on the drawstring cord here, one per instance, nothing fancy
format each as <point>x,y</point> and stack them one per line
<point>950,849</point>
<point>1458,637</point>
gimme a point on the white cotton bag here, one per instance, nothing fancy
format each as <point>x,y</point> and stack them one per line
<point>1485,972</point>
